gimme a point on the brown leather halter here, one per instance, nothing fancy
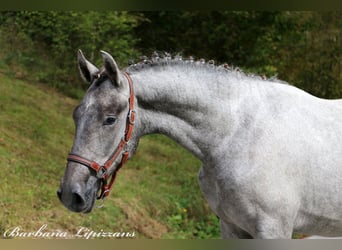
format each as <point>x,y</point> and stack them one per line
<point>102,171</point>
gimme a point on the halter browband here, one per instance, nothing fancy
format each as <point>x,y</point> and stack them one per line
<point>102,171</point>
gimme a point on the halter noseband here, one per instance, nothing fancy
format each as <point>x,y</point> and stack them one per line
<point>102,171</point>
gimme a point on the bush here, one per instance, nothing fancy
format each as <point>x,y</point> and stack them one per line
<point>45,43</point>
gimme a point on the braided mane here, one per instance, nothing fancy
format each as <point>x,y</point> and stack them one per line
<point>166,59</point>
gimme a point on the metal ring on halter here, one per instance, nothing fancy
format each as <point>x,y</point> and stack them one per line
<point>105,193</point>
<point>101,205</point>
<point>131,116</point>
<point>102,196</point>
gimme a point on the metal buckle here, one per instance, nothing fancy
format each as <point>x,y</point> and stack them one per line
<point>101,173</point>
<point>131,118</point>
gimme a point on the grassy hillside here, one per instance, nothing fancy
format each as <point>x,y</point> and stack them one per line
<point>156,194</point>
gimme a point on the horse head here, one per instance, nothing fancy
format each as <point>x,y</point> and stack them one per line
<point>104,123</point>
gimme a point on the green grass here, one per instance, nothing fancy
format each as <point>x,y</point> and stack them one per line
<point>156,194</point>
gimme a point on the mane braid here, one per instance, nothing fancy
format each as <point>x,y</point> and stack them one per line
<point>165,59</point>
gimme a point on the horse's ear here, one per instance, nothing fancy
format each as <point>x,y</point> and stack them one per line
<point>111,67</point>
<point>87,69</point>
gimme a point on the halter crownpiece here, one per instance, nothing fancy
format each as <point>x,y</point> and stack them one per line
<point>102,170</point>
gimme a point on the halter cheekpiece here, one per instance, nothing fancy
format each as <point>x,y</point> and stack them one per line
<point>102,170</point>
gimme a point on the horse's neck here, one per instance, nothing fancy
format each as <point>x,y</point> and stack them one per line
<point>182,106</point>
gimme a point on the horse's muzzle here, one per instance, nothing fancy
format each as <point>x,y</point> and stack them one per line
<point>77,198</point>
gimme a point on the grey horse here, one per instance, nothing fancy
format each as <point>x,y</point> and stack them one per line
<point>271,153</point>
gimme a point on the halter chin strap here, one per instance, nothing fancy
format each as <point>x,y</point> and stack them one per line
<point>102,170</point>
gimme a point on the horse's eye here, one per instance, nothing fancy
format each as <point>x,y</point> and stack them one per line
<point>109,120</point>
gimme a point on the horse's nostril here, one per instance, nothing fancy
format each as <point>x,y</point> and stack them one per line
<point>78,200</point>
<point>73,200</point>
<point>59,194</point>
